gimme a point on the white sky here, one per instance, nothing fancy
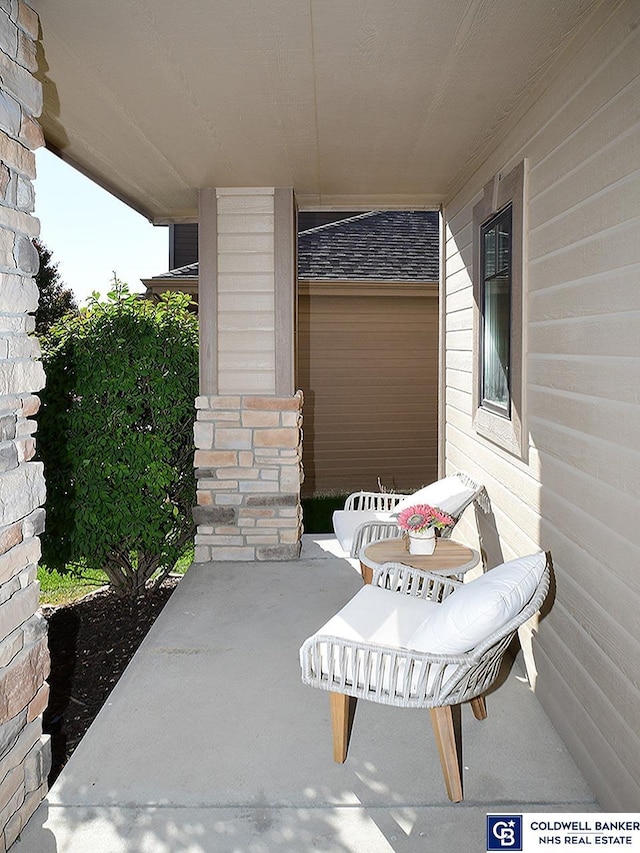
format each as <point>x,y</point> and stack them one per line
<point>91,233</point>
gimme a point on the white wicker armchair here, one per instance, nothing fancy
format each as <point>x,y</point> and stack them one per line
<point>416,639</point>
<point>368,516</point>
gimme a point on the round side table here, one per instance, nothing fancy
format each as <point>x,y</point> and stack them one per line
<point>450,557</point>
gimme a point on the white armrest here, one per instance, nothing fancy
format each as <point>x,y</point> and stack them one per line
<point>378,501</point>
<point>370,531</point>
<point>421,584</point>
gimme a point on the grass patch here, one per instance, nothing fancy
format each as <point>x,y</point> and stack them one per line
<point>57,588</point>
<point>317,512</point>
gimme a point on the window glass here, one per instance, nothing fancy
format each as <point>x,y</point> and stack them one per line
<point>496,312</point>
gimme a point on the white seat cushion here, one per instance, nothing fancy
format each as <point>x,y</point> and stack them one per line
<point>449,494</point>
<point>478,608</point>
<point>378,616</point>
<point>346,522</point>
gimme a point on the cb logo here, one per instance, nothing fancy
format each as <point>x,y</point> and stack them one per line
<point>504,832</point>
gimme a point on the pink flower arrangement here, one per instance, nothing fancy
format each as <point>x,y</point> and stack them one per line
<point>421,517</point>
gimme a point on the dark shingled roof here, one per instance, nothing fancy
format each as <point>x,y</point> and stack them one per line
<point>383,246</point>
<point>389,246</point>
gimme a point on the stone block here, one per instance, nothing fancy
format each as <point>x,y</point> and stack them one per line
<point>8,35</point>
<point>260,419</point>
<point>255,486</point>
<point>289,537</point>
<point>204,498</point>
<point>10,819</point>
<point>26,54</point>
<point>25,427</point>
<point>28,20</point>
<point>278,552</point>
<point>242,473</point>
<point>17,609</point>
<point>214,515</point>
<point>5,179</point>
<point>18,558</point>
<point>218,485</point>
<point>11,783</point>
<point>10,114</point>
<point>31,403</point>
<point>246,458</point>
<point>10,536</point>
<point>33,525</point>
<point>8,456</point>
<point>21,83</point>
<point>214,458</point>
<point>262,540</point>
<point>202,554</point>
<point>203,435</point>
<point>26,256</point>
<point>20,222</point>
<point>21,491</point>
<point>221,417</point>
<point>279,523</point>
<point>7,237</point>
<point>233,554</point>
<point>229,500</point>
<point>26,449</point>
<point>22,679</point>
<point>272,500</point>
<point>228,541</point>
<point>281,438</point>
<point>247,512</point>
<point>269,474</point>
<point>25,194</point>
<point>31,133</point>
<point>232,439</point>
<point>272,404</point>
<point>9,734</point>
<point>16,156</point>
<point>18,294</point>
<point>19,376</point>
<point>11,646</point>
<point>7,427</point>
<point>38,703</point>
<point>290,478</point>
<point>37,765</point>
<point>213,402</point>
<point>34,629</point>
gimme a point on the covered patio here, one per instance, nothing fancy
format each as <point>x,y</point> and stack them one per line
<point>210,743</point>
<point>519,123</point>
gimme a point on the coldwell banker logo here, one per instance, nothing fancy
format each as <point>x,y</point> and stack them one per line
<point>504,832</point>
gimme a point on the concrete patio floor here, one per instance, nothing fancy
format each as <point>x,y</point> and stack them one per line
<point>210,743</point>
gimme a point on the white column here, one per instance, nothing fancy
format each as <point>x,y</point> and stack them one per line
<point>248,431</point>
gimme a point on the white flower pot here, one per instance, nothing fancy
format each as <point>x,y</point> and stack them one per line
<point>422,543</point>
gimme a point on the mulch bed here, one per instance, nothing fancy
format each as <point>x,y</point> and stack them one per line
<point>91,641</point>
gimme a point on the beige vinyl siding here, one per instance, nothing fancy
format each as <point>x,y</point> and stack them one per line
<point>367,364</point>
<point>246,291</point>
<point>578,494</point>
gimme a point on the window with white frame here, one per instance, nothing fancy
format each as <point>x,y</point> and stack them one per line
<point>498,260</point>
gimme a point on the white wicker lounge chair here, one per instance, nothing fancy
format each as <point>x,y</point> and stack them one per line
<point>368,516</point>
<point>420,640</point>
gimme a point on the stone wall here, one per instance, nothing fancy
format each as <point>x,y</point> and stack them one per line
<point>248,466</point>
<point>24,656</point>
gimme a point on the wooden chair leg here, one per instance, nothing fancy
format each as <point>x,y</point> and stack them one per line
<point>366,572</point>
<point>479,708</point>
<point>446,740</point>
<point>342,712</point>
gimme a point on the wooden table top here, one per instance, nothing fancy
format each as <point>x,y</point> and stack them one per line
<point>449,556</point>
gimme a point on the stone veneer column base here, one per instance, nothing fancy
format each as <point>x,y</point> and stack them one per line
<point>249,470</point>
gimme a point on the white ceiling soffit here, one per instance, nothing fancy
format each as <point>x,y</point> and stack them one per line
<point>355,104</point>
